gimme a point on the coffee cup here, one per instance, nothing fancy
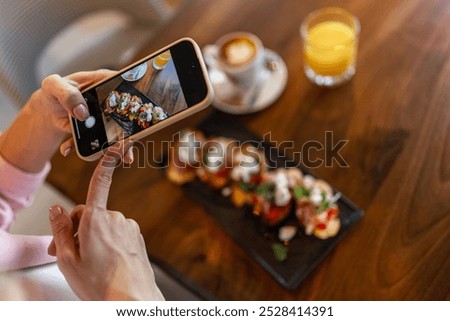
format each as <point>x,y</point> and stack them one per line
<point>238,54</point>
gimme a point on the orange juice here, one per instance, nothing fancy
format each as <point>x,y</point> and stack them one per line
<point>330,48</point>
<point>160,61</point>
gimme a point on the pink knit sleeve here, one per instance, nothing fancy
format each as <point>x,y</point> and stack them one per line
<point>16,190</point>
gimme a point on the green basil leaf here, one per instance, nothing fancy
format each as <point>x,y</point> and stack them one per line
<point>280,252</point>
<point>245,187</point>
<point>265,189</point>
<point>325,204</point>
<point>301,192</point>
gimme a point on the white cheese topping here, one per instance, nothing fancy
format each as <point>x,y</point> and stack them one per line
<point>282,193</point>
<point>113,100</point>
<point>214,163</point>
<point>246,167</point>
<point>308,181</point>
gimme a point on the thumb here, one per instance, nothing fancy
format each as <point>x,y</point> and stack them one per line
<point>62,229</point>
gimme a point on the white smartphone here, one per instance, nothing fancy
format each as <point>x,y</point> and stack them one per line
<point>148,95</point>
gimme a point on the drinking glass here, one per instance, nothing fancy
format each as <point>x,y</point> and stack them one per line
<point>330,42</point>
<point>160,61</point>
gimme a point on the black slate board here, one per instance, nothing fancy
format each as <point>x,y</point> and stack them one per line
<point>304,252</point>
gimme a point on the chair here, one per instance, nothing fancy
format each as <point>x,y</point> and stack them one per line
<point>38,38</point>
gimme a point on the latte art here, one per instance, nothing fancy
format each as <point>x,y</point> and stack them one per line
<point>238,51</point>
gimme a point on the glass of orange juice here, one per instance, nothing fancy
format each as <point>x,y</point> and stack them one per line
<point>160,61</point>
<point>330,42</point>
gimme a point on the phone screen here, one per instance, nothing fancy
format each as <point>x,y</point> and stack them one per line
<point>144,95</point>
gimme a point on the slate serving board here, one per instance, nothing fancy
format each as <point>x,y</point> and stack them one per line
<point>304,252</point>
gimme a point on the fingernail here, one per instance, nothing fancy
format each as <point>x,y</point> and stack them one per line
<point>81,112</point>
<point>129,158</point>
<point>54,212</point>
<point>67,151</point>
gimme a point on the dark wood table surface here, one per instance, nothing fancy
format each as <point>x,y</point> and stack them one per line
<point>395,114</point>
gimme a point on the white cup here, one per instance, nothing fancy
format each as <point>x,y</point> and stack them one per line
<point>239,54</point>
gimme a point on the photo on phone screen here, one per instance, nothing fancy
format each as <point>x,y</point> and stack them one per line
<point>141,97</point>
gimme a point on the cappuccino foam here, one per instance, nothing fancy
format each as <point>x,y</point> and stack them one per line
<point>238,51</point>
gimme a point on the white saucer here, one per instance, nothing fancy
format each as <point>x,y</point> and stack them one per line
<point>136,73</point>
<point>234,100</point>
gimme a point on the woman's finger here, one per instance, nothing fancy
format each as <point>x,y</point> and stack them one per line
<point>101,179</point>
<point>62,229</point>
<point>128,158</point>
<point>58,90</point>
<point>75,217</point>
<point>67,147</point>
<point>84,79</point>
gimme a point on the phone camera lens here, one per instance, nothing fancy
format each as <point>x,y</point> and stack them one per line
<point>90,122</point>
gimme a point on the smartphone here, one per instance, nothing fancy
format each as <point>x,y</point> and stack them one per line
<point>148,95</point>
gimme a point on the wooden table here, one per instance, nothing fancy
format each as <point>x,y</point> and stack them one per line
<point>395,114</point>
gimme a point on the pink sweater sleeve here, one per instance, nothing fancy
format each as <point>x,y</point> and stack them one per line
<point>16,190</point>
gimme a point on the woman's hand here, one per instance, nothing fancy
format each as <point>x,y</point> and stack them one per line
<point>62,97</point>
<point>44,123</point>
<point>107,259</point>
